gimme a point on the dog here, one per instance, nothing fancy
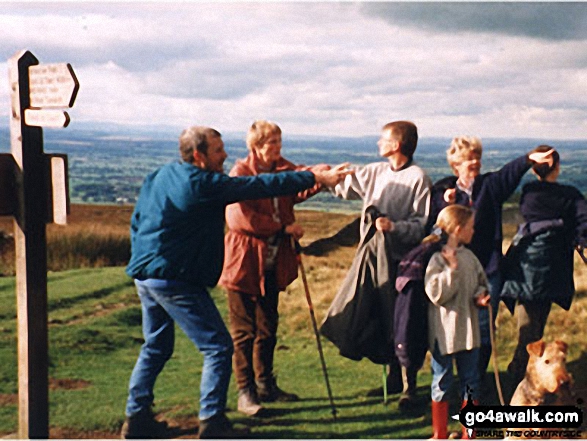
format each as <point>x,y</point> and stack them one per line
<point>547,381</point>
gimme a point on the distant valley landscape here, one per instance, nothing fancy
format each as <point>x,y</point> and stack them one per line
<point>108,164</point>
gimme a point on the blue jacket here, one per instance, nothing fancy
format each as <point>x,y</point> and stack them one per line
<point>490,191</point>
<point>177,227</point>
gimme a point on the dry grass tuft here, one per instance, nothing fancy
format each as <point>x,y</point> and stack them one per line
<point>95,236</point>
<point>324,273</point>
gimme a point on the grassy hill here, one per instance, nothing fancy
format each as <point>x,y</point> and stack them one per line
<point>95,336</point>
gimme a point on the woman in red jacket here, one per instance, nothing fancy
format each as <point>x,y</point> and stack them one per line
<point>259,263</point>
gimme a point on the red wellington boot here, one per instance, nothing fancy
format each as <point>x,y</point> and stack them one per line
<point>465,434</point>
<point>439,419</point>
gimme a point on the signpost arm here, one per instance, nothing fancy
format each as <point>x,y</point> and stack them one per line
<point>31,257</point>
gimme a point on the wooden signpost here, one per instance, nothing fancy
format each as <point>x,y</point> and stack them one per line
<point>34,192</point>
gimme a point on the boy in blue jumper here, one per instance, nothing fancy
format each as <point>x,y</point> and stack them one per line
<point>177,244</point>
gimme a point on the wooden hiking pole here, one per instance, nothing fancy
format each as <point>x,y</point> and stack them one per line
<point>297,249</point>
<point>581,251</point>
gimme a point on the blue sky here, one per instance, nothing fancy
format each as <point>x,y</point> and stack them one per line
<point>316,68</point>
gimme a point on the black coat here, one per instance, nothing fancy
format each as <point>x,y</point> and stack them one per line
<point>360,319</point>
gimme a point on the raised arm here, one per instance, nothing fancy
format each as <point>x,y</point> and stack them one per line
<point>213,187</point>
<point>505,181</point>
<point>354,186</point>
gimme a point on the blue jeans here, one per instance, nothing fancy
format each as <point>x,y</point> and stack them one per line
<point>164,302</point>
<point>442,376</point>
<point>495,286</point>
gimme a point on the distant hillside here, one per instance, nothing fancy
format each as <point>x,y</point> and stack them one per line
<point>108,163</point>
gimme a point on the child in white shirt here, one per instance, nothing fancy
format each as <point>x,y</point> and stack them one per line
<point>456,285</point>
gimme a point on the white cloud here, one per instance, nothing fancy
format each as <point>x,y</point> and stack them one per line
<point>315,68</point>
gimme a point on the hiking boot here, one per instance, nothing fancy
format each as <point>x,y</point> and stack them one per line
<point>248,402</point>
<point>220,427</point>
<point>406,401</point>
<point>269,392</point>
<point>143,425</point>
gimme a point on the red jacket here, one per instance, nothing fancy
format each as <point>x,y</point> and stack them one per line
<point>250,224</point>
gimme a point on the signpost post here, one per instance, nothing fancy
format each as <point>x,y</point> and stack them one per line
<point>32,180</point>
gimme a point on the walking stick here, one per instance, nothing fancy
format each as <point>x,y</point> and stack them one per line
<point>296,247</point>
<point>384,384</point>
<point>581,251</point>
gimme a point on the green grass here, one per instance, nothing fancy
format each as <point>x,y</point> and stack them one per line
<point>95,336</point>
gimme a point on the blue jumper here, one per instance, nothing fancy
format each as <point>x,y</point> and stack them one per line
<point>177,227</point>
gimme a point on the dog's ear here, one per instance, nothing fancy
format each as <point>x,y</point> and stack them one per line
<point>536,348</point>
<point>562,346</point>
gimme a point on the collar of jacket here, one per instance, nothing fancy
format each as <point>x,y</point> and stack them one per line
<point>451,182</point>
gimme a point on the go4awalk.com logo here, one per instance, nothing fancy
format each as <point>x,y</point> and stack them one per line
<point>522,421</point>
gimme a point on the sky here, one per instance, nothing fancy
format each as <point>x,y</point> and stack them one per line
<point>315,68</point>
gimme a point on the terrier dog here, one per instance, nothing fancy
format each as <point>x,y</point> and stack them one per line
<point>547,381</point>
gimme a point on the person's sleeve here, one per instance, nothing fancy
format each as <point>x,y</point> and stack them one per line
<point>411,230</point>
<point>483,284</point>
<point>441,282</point>
<point>139,206</point>
<point>581,218</point>
<point>220,188</point>
<point>437,203</point>
<point>505,181</point>
<point>353,187</point>
<point>246,217</point>
<point>307,194</point>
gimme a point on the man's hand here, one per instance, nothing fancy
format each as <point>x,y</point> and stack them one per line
<point>482,300</point>
<point>384,224</point>
<point>320,167</point>
<point>295,231</point>
<point>450,195</point>
<point>331,177</point>
<point>542,157</point>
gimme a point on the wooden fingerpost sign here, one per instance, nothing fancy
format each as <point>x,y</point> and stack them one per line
<point>34,192</point>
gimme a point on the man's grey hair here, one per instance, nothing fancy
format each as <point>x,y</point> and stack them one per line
<point>195,138</point>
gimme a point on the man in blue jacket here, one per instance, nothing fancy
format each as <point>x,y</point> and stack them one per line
<point>177,244</point>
